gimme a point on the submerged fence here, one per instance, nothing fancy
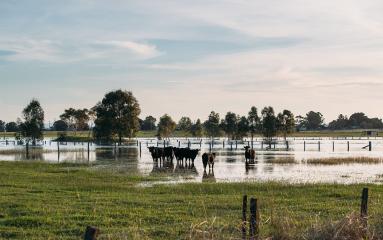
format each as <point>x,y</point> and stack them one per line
<point>210,144</point>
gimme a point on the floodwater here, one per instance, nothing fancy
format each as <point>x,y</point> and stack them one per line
<point>275,163</point>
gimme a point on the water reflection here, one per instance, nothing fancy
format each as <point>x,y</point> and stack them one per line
<point>208,177</point>
<point>229,164</point>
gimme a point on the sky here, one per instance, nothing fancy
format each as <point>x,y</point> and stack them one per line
<point>186,58</point>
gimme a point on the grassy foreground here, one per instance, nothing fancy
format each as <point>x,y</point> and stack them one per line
<point>47,201</point>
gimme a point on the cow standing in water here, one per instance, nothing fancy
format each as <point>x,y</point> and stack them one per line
<point>208,158</point>
<point>249,155</point>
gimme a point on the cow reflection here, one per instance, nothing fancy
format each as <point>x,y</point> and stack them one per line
<point>208,177</point>
<point>162,167</point>
<point>250,167</point>
<point>184,168</point>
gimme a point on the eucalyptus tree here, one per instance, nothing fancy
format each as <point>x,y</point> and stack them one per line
<point>184,124</point>
<point>197,129</point>
<point>212,125</point>
<point>33,125</point>
<point>2,126</point>
<point>254,121</point>
<point>269,123</point>
<point>314,120</point>
<point>166,126</point>
<point>242,127</point>
<point>149,123</point>
<point>229,124</point>
<point>76,119</point>
<point>116,116</point>
<point>286,122</point>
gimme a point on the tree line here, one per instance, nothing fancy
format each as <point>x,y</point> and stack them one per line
<point>116,116</point>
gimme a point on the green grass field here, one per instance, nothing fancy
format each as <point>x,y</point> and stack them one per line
<point>47,201</point>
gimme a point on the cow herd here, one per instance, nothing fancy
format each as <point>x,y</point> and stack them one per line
<point>189,155</point>
<point>180,154</point>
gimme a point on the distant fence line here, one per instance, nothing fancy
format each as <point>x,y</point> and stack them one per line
<point>211,145</point>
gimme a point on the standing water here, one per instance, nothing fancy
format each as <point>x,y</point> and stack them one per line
<point>273,161</point>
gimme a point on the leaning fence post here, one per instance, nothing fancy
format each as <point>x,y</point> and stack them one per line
<point>91,233</point>
<point>363,207</point>
<point>254,219</point>
<point>244,208</point>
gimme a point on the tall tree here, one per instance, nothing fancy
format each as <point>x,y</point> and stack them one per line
<point>69,116</point>
<point>314,120</point>
<point>82,118</point>
<point>33,125</point>
<point>184,124</point>
<point>243,127</point>
<point>166,126</point>
<point>269,123</point>
<point>254,122</point>
<point>197,129</point>
<point>149,124</point>
<point>286,122</point>
<point>76,119</point>
<point>116,115</point>
<point>2,126</point>
<point>212,125</point>
<point>229,124</point>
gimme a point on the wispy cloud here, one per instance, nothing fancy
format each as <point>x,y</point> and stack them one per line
<point>141,49</point>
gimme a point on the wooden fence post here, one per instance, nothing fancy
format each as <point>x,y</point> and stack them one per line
<point>304,146</point>
<point>333,146</point>
<point>369,146</point>
<point>319,146</point>
<point>88,151</point>
<point>348,146</point>
<point>58,151</point>
<point>244,208</point>
<point>91,233</point>
<point>254,219</point>
<point>363,207</point>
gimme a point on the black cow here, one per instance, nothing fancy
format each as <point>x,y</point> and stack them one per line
<point>167,153</point>
<point>161,153</point>
<point>191,154</point>
<point>156,154</point>
<point>249,154</point>
<point>208,158</point>
<point>185,153</point>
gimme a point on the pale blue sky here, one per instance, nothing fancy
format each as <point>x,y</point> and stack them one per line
<point>191,57</point>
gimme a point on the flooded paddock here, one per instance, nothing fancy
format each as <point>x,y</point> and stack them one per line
<point>278,161</point>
